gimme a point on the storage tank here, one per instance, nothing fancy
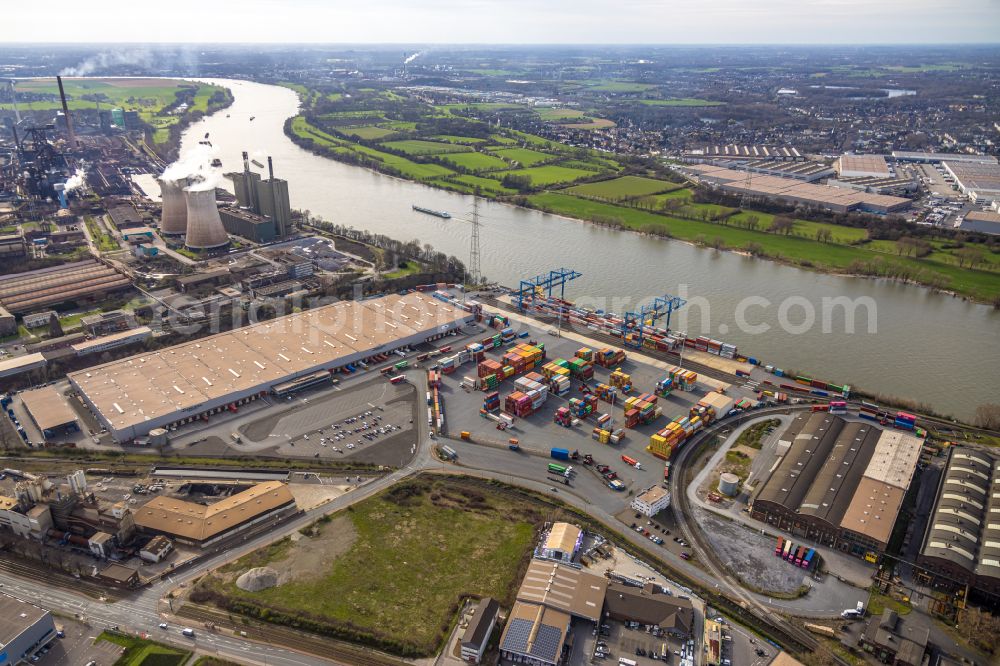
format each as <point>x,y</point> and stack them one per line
<point>204,226</point>
<point>729,484</point>
<point>173,218</point>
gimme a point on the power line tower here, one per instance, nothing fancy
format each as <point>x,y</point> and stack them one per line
<point>747,182</point>
<point>474,270</point>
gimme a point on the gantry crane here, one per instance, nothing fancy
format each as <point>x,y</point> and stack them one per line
<point>535,286</point>
<point>635,322</point>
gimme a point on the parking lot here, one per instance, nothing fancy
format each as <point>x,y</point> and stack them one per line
<point>77,647</point>
<point>616,641</point>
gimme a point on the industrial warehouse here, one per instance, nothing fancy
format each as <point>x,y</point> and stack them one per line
<point>795,191</point>
<point>200,525</point>
<point>962,544</point>
<point>190,381</point>
<point>88,280</point>
<point>839,482</point>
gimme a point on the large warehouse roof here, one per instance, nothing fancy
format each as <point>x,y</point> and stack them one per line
<point>35,290</point>
<point>197,522</point>
<point>16,617</point>
<point>963,528</point>
<point>147,386</point>
<point>48,407</point>
<point>535,630</point>
<point>851,474</point>
<point>564,588</point>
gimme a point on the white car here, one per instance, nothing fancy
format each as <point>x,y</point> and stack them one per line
<point>351,445</point>
<point>163,625</point>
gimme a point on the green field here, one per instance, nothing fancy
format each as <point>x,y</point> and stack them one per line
<point>552,114</point>
<point>469,184</point>
<point>104,241</point>
<point>625,187</point>
<point>468,140</point>
<point>404,560</point>
<point>525,157</point>
<point>800,249</point>
<point>685,101</point>
<point>411,268</point>
<point>419,147</point>
<point>552,174</point>
<point>621,87</point>
<point>475,161</point>
<point>368,132</point>
<point>140,652</point>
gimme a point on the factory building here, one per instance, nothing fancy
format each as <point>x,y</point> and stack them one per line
<point>979,182</point>
<point>21,364</point>
<point>76,282</point>
<point>49,411</point>
<point>935,158</point>
<point>983,222</point>
<point>199,525</point>
<point>961,546</point>
<point>113,341</point>
<point>193,380</point>
<point>805,171</point>
<point>792,192</point>
<point>562,542</point>
<point>248,225</point>
<point>732,151</point>
<point>24,630</point>
<point>862,166</point>
<point>838,482</point>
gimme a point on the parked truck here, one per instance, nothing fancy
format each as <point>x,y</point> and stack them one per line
<point>559,454</point>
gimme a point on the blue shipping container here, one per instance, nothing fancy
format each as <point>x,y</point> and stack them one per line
<point>560,454</point>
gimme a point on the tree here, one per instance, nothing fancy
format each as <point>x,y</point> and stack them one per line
<point>781,224</point>
<point>988,416</point>
<point>824,235</point>
<point>971,256</point>
<point>55,328</point>
<point>979,628</point>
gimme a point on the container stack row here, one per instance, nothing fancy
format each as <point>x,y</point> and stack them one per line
<point>621,380</point>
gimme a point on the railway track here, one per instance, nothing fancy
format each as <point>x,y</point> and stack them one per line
<point>50,577</point>
<point>330,648</point>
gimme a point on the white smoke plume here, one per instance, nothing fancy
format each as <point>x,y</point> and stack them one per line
<point>76,181</point>
<point>413,57</point>
<point>195,165</point>
<point>106,59</point>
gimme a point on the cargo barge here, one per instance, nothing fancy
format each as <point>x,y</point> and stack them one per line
<point>430,211</point>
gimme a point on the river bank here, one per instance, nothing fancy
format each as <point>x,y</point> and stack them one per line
<point>908,344</point>
<point>846,254</point>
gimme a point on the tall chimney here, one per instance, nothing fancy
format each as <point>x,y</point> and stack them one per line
<point>281,231</point>
<point>246,162</point>
<point>69,120</point>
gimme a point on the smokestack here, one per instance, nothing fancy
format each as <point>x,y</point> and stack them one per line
<point>204,226</point>
<point>281,231</point>
<point>69,120</point>
<point>246,162</point>
<point>173,218</point>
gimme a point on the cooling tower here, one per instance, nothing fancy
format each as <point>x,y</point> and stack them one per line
<point>204,226</point>
<point>173,219</point>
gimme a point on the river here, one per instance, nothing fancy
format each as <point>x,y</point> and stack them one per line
<point>934,348</point>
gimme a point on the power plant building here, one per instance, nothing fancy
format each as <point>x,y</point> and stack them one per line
<point>247,225</point>
<point>173,218</point>
<point>267,199</point>
<point>840,482</point>
<point>193,380</point>
<point>204,226</point>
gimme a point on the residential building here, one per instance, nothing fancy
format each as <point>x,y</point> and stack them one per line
<point>480,628</point>
<point>652,501</point>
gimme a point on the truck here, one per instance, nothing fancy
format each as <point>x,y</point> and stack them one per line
<point>616,485</point>
<point>631,461</point>
<point>513,444</point>
<point>559,454</point>
<point>398,379</point>
<point>562,470</point>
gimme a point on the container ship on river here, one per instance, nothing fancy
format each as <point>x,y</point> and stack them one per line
<point>430,211</point>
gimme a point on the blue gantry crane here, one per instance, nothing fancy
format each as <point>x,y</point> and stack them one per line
<point>534,286</point>
<point>634,322</point>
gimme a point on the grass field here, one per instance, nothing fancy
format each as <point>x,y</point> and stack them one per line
<point>139,652</point>
<point>803,250</point>
<point>523,156</point>
<point>411,268</point>
<point>554,114</point>
<point>475,161</point>
<point>419,147</point>
<point>621,87</point>
<point>368,132</point>
<point>551,174</point>
<point>416,550</point>
<point>622,188</point>
<point>450,138</point>
<point>104,241</point>
<point>685,101</point>
<point>485,184</point>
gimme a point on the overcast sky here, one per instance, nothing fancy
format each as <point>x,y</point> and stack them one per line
<point>507,21</point>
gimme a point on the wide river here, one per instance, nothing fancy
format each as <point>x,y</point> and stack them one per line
<point>906,340</point>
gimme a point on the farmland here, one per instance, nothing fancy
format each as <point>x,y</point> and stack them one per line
<point>420,546</point>
<point>419,147</point>
<point>551,174</point>
<point>623,188</point>
<point>523,156</point>
<point>475,161</point>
